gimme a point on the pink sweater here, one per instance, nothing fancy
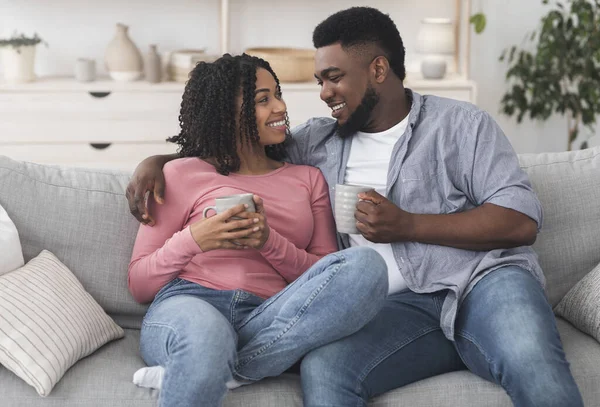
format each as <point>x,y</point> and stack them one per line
<point>298,212</point>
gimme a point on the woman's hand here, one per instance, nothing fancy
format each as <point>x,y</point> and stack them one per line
<point>259,236</point>
<point>220,231</point>
<point>147,177</point>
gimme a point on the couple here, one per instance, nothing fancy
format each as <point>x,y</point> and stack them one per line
<point>441,278</point>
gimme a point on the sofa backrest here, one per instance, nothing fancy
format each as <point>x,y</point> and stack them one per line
<point>82,217</point>
<point>568,185</point>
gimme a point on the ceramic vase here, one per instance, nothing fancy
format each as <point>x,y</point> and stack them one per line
<point>18,63</point>
<point>123,58</point>
<point>152,65</point>
<point>436,41</point>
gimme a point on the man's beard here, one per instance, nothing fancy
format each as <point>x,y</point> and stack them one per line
<point>360,117</point>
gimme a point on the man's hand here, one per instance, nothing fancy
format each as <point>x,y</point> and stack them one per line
<point>259,237</point>
<point>147,177</point>
<point>487,227</point>
<point>381,221</point>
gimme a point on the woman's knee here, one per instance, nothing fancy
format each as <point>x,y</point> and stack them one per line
<point>187,328</point>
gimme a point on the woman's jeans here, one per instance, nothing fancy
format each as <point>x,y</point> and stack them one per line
<point>204,337</point>
<point>505,333</point>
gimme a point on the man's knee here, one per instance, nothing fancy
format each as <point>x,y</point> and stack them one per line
<point>322,365</point>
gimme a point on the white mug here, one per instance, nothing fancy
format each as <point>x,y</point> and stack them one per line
<point>85,70</point>
<point>225,202</point>
<point>346,198</point>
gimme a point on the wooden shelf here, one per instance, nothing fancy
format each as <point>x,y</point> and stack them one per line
<point>69,84</point>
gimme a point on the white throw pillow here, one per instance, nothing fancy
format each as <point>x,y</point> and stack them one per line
<point>48,322</point>
<point>11,255</point>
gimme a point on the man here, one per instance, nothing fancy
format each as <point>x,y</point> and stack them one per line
<point>453,215</point>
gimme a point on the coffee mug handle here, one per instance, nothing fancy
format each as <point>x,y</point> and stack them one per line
<point>208,208</point>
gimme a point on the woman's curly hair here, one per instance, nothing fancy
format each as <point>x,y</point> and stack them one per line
<point>208,111</point>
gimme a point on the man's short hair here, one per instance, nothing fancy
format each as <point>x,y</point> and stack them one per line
<point>358,26</point>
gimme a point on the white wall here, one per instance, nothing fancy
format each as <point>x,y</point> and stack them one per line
<point>83,28</point>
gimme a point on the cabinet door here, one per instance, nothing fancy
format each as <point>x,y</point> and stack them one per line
<point>71,117</point>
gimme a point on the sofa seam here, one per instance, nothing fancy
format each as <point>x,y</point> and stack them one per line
<point>562,161</point>
<point>75,169</point>
<point>64,186</point>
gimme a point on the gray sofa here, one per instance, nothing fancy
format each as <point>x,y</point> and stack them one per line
<point>82,217</point>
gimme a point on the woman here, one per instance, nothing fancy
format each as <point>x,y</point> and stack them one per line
<point>242,299</point>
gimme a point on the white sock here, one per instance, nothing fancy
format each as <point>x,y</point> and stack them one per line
<point>234,384</point>
<point>150,377</point>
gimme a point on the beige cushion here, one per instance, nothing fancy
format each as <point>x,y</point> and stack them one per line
<point>48,322</point>
<point>581,305</point>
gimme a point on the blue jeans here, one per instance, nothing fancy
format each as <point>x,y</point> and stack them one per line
<point>505,333</point>
<point>204,338</point>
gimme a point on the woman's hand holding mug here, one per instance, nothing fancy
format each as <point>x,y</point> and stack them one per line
<point>258,238</point>
<point>221,230</point>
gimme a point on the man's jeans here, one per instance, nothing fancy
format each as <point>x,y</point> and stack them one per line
<point>204,337</point>
<point>505,333</point>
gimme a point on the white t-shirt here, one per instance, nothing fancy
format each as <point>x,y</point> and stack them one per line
<point>368,164</point>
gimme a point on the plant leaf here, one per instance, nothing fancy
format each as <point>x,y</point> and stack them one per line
<point>479,21</point>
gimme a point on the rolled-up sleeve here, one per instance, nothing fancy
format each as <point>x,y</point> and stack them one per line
<point>490,170</point>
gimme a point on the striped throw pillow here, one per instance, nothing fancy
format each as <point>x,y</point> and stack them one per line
<point>48,322</point>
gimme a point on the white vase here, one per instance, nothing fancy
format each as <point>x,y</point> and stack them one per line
<point>123,59</point>
<point>433,67</point>
<point>436,41</point>
<point>18,63</point>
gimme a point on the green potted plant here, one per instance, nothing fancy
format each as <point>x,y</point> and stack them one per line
<point>18,57</point>
<point>560,71</point>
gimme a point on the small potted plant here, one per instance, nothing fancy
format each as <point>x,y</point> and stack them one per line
<point>18,57</point>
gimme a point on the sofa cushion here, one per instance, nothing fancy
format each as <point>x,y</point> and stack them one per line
<point>104,379</point>
<point>568,186</point>
<point>48,322</point>
<point>581,305</point>
<point>82,217</point>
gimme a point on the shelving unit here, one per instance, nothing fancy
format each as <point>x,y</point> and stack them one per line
<point>109,124</point>
<point>462,14</point>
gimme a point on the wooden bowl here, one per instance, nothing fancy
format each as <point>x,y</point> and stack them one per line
<point>289,64</point>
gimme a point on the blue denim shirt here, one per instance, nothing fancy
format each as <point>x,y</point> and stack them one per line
<point>453,157</point>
